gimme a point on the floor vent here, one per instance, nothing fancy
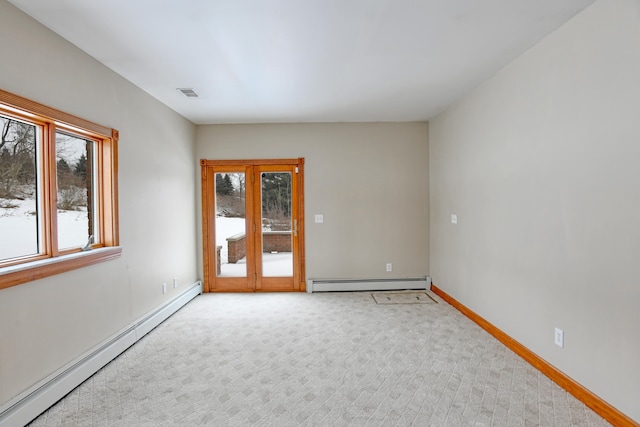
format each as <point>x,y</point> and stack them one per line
<point>392,298</point>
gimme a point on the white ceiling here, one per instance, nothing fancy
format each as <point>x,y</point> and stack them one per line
<point>304,60</point>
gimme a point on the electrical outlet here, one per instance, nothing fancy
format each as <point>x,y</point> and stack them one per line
<point>389,267</point>
<point>454,219</point>
<point>164,288</point>
<point>559,338</point>
<point>175,283</point>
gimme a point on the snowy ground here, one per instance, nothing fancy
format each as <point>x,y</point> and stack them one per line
<point>273,265</point>
<point>19,229</point>
<point>19,234</point>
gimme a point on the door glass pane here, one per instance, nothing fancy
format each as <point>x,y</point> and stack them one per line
<point>277,258</point>
<point>231,248</point>
<point>76,192</point>
<point>19,214</point>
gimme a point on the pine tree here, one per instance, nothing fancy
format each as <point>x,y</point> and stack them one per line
<point>65,176</point>
<point>63,166</point>
<point>276,194</point>
<point>80,169</point>
<point>223,185</point>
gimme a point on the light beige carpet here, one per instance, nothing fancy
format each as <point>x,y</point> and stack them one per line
<point>297,359</point>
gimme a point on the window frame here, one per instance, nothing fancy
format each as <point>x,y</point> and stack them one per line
<point>50,260</point>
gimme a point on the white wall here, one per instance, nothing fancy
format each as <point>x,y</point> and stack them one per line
<point>540,164</point>
<point>47,323</point>
<point>369,180</point>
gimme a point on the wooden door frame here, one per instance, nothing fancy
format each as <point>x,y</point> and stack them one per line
<point>208,171</point>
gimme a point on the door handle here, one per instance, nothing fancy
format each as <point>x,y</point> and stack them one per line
<point>295,227</point>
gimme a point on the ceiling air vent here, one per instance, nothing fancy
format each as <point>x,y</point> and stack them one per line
<point>188,92</point>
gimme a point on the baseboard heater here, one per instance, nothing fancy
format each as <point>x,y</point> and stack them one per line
<point>345,285</point>
<point>28,405</point>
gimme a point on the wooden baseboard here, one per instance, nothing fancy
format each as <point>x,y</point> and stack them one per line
<point>598,405</point>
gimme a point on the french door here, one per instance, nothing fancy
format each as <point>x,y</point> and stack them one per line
<point>253,234</point>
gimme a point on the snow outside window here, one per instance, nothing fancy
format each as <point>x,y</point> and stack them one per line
<point>58,181</point>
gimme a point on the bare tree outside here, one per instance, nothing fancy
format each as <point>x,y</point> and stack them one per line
<point>17,159</point>
<point>18,166</point>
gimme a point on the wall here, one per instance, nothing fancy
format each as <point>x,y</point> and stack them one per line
<point>369,180</point>
<point>540,163</point>
<point>48,323</point>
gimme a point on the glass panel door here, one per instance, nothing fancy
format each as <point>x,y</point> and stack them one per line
<point>231,225</point>
<point>277,213</point>
<point>253,236</point>
<point>277,226</point>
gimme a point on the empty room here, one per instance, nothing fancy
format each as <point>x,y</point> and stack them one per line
<point>360,212</point>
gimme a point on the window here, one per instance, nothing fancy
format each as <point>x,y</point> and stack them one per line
<point>58,185</point>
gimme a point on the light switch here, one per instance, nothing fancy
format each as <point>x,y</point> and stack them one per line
<point>319,219</point>
<point>454,219</point>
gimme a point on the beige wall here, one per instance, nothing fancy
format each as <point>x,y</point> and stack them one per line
<point>540,164</point>
<point>369,180</point>
<point>48,323</point>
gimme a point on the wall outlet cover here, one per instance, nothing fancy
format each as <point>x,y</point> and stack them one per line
<point>559,337</point>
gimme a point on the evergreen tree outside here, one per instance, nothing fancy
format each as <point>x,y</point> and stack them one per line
<point>224,185</point>
<point>65,176</point>
<point>80,168</point>
<point>63,166</point>
<point>276,196</point>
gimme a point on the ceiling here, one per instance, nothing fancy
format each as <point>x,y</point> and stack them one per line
<point>255,61</point>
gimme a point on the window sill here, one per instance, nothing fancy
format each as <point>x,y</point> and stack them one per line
<point>27,272</point>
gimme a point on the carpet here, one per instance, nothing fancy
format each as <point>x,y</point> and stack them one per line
<point>317,360</point>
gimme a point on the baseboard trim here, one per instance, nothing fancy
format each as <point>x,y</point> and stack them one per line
<point>371,284</point>
<point>28,405</point>
<point>594,402</point>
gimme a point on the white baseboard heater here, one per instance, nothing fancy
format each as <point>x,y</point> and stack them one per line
<point>345,285</point>
<point>28,405</point>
